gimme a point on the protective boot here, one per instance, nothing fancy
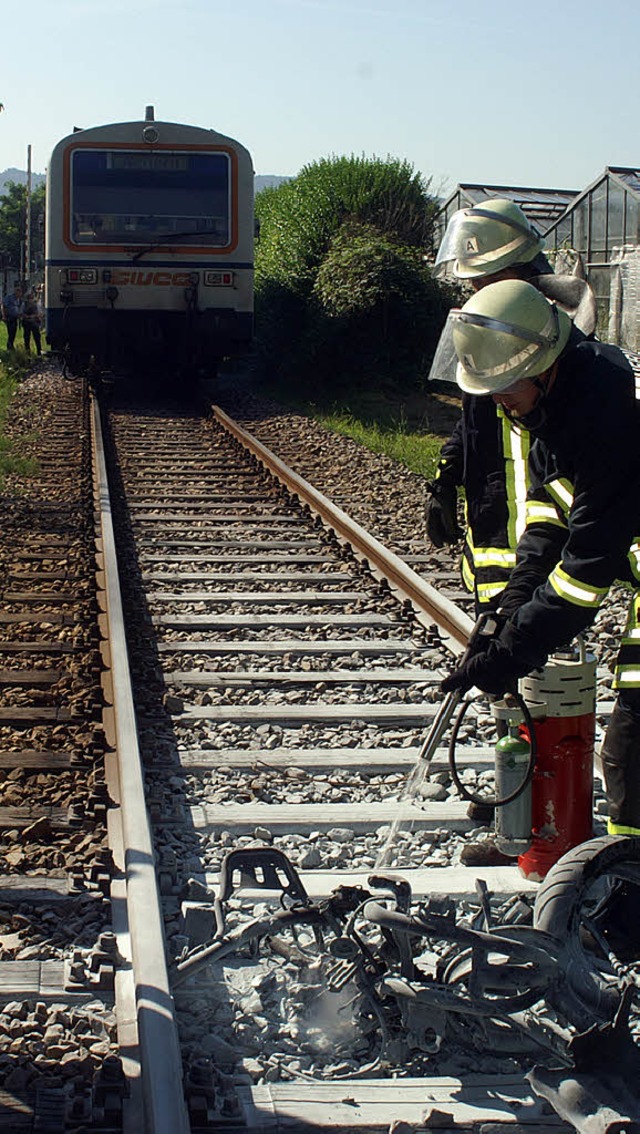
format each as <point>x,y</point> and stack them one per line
<point>620,755</point>
<point>486,853</point>
<point>482,813</point>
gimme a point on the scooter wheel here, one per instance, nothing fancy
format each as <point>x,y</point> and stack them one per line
<point>571,905</point>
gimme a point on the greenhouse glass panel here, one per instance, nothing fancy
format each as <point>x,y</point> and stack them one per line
<point>598,241</point>
<point>632,236</point>
<point>562,234</point>
<point>600,280</point>
<point>580,229</point>
<point>615,234</point>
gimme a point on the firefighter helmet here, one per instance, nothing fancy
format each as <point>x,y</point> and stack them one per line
<point>506,331</point>
<point>488,238</point>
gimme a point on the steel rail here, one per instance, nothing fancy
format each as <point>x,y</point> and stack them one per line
<point>428,604</point>
<point>161,1062</point>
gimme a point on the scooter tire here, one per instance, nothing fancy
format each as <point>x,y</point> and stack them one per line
<point>560,907</point>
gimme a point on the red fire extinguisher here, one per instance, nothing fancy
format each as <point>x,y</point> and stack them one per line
<point>561,698</point>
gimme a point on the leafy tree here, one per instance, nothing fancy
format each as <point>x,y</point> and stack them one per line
<point>365,270</point>
<point>299,218</point>
<point>377,311</point>
<point>13,211</point>
<point>342,284</point>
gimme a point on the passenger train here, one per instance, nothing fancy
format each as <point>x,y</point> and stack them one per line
<point>149,247</point>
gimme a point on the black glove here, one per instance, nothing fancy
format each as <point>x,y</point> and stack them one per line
<point>441,514</point>
<point>496,669</point>
<point>492,671</point>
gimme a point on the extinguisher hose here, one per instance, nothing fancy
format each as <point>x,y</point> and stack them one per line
<point>464,791</point>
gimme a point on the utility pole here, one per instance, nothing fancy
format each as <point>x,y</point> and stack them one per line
<point>27,227</point>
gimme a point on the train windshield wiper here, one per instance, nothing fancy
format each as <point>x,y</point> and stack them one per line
<point>168,239</point>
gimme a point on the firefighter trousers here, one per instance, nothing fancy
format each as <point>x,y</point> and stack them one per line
<point>620,756</point>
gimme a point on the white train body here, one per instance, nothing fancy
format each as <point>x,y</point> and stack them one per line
<point>149,245</point>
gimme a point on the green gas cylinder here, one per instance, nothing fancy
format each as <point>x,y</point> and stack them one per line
<point>513,820</point>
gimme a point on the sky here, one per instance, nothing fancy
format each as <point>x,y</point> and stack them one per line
<point>539,94</point>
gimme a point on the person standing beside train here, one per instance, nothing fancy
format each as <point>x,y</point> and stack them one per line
<point>12,306</point>
<point>32,321</point>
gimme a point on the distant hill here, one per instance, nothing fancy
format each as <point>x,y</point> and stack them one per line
<point>262,180</point>
<point>20,178</point>
<point>267,181</point>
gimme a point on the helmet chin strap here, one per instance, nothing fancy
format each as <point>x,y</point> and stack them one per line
<point>538,414</point>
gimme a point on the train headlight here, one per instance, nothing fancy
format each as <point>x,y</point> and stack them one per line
<point>81,276</point>
<point>220,279</point>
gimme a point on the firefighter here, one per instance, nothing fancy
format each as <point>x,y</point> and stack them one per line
<point>487,453</point>
<point>577,400</point>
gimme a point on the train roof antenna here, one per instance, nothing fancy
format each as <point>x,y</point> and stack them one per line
<point>149,115</point>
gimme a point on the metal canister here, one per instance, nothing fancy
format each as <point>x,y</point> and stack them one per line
<point>562,788</point>
<point>513,820</point>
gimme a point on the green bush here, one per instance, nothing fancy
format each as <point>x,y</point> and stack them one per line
<point>341,280</point>
<point>364,270</point>
<point>378,312</point>
<point>299,218</point>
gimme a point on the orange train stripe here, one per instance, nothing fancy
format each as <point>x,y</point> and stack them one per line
<point>146,148</point>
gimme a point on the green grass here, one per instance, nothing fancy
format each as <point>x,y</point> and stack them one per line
<point>410,430</point>
<point>14,365</point>
<point>417,449</point>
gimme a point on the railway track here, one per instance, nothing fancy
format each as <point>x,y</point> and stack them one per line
<point>268,671</point>
<point>58,1041</point>
<point>285,667</point>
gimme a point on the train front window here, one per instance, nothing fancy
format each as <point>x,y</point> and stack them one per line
<point>136,196</point>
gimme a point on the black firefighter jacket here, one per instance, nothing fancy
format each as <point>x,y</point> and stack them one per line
<point>583,507</point>
<point>488,455</point>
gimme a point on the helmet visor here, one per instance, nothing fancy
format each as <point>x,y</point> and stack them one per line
<point>478,242</point>
<point>445,359</point>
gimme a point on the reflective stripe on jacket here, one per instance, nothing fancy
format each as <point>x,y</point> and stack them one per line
<point>626,674</point>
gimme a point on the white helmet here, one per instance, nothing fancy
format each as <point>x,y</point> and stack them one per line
<point>487,238</point>
<point>506,331</point>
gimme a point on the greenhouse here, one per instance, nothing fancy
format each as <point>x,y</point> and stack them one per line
<point>602,225</point>
<point>542,207</point>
